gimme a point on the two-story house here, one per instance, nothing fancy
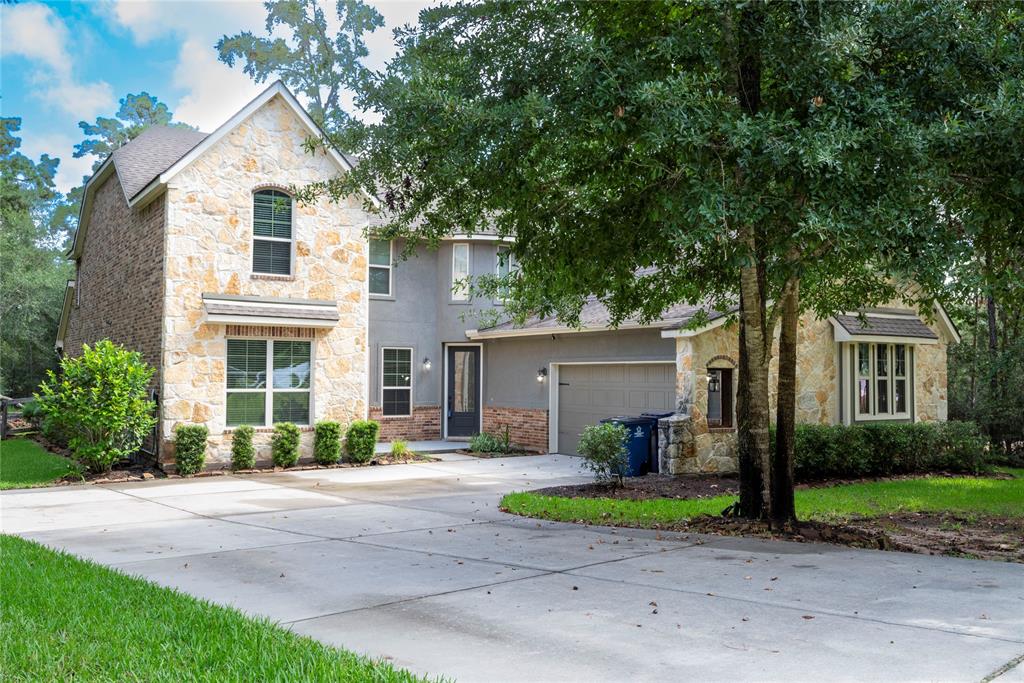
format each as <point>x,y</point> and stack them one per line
<point>257,309</point>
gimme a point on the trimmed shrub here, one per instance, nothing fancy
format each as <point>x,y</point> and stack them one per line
<point>327,442</point>
<point>100,403</point>
<point>883,449</point>
<point>284,444</point>
<point>243,454</point>
<point>361,440</point>
<point>190,447</point>
<point>603,447</point>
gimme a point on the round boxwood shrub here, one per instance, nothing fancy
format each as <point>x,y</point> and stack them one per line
<point>190,447</point>
<point>243,455</point>
<point>284,444</point>
<point>327,442</point>
<point>361,440</point>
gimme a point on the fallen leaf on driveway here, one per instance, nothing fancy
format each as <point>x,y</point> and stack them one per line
<point>807,616</point>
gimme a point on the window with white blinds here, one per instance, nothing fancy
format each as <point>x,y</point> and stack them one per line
<point>272,232</point>
<point>268,377</point>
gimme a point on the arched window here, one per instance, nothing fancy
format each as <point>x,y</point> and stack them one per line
<point>271,232</point>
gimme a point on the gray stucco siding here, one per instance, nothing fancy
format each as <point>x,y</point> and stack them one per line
<point>511,364</point>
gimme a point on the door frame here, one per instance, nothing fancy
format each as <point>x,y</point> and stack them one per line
<point>553,389</point>
<point>479,389</point>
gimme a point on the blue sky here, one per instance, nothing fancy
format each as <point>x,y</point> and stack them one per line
<point>64,62</point>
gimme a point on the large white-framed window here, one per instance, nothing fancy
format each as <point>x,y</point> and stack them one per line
<point>271,232</point>
<point>505,265</point>
<point>396,381</point>
<point>882,381</point>
<point>269,377</point>
<point>460,271</point>
<point>380,267</point>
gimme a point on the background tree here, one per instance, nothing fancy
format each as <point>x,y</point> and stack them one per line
<point>761,155</point>
<point>32,269</point>
<point>311,62</point>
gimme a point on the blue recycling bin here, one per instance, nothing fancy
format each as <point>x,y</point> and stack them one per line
<point>654,465</point>
<point>638,442</point>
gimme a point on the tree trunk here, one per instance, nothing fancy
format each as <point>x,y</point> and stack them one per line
<point>782,510</point>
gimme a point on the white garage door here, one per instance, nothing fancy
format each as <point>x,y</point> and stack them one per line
<point>590,393</point>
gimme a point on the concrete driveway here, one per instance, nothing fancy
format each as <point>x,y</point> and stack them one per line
<point>416,564</point>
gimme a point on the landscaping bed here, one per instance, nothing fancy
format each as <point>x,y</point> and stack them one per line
<point>967,516</point>
<point>515,453</point>
<point>70,619</point>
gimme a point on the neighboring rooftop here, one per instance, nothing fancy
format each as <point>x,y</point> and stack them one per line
<point>155,150</point>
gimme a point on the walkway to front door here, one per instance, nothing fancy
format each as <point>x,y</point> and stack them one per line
<point>462,381</point>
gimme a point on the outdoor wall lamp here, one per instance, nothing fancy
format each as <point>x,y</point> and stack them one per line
<point>426,364</point>
<point>541,374</point>
<point>712,381</point>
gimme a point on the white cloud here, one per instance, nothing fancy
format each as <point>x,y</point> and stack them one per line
<point>215,91</point>
<point>40,36</point>
<point>70,171</point>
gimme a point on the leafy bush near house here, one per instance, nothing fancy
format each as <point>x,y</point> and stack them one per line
<point>603,447</point>
<point>243,454</point>
<point>361,440</point>
<point>400,449</point>
<point>327,442</point>
<point>190,447</point>
<point>284,444</point>
<point>99,402</point>
<point>884,449</point>
<point>485,442</point>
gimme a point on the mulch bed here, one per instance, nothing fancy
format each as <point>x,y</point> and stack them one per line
<point>123,472</point>
<point>989,538</point>
<point>481,454</point>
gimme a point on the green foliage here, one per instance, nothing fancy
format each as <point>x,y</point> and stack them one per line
<point>32,411</point>
<point>603,447</point>
<point>485,442</point>
<point>33,271</point>
<point>284,444</point>
<point>100,402</point>
<point>309,61</point>
<point>361,440</point>
<point>136,114</point>
<point>243,454</point>
<point>65,619</point>
<point>190,447</point>
<point>400,449</point>
<point>327,442</point>
<point>824,452</point>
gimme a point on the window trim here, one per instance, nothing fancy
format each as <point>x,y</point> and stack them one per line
<point>501,299</point>
<point>268,401</point>
<point>412,380</point>
<point>390,267</point>
<point>290,241</point>
<point>463,295</point>
<point>890,378</point>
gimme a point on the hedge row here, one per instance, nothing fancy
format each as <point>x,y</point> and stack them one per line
<point>879,450</point>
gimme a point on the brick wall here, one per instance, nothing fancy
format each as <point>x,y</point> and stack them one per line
<point>423,425</point>
<point>529,426</point>
<point>119,283</point>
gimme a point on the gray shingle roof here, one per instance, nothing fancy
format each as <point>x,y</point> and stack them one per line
<point>152,153</point>
<point>903,326</point>
<point>595,315</point>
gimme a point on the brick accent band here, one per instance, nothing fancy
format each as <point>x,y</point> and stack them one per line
<point>423,425</point>
<point>528,426</point>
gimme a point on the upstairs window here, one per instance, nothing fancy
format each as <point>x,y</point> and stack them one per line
<point>380,267</point>
<point>272,233</point>
<point>505,266</point>
<point>460,271</point>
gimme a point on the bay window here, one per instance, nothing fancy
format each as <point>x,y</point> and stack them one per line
<point>881,380</point>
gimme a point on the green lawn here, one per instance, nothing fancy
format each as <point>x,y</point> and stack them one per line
<point>25,463</point>
<point>68,619</point>
<point>966,496</point>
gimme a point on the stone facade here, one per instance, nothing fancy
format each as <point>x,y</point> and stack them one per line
<point>208,247</point>
<point>528,427</point>
<point>688,445</point>
<point>423,425</point>
<point>119,284</point>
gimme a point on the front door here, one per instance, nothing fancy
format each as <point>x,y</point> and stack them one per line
<point>463,390</point>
